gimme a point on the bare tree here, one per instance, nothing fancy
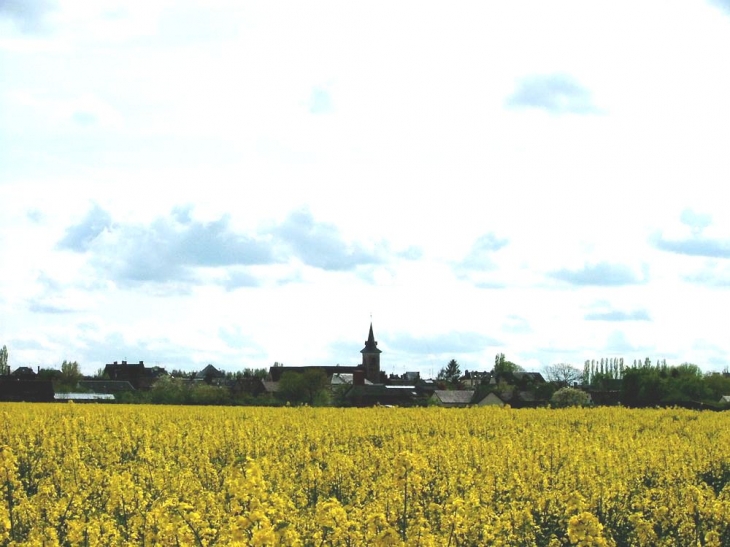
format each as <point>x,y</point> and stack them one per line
<point>564,374</point>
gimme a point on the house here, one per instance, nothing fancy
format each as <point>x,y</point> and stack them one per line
<point>452,398</point>
<point>475,378</point>
<point>24,372</point>
<point>21,389</point>
<point>527,378</point>
<point>210,375</point>
<point>363,395</point>
<point>725,399</point>
<point>276,372</point>
<point>407,378</point>
<point>134,373</point>
<point>491,399</point>
<point>346,379</point>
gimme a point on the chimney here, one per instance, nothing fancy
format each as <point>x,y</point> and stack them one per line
<point>358,377</point>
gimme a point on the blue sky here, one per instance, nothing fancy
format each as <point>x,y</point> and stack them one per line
<point>188,182</point>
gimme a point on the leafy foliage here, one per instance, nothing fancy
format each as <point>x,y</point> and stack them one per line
<point>569,396</point>
<point>654,385</point>
<point>69,377</point>
<point>303,387</point>
<point>503,367</point>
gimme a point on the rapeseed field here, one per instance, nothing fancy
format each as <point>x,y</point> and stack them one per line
<point>148,475</point>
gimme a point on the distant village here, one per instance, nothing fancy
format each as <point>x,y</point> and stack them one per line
<point>366,384</point>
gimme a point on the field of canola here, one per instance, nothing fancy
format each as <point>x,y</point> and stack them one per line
<point>146,475</point>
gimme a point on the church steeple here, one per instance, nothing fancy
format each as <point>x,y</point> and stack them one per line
<point>371,358</point>
<point>370,344</point>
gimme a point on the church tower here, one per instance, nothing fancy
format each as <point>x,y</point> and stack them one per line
<point>371,358</point>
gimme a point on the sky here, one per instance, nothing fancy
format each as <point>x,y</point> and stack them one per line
<point>188,182</point>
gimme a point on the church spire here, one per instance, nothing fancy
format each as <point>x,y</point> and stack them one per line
<point>371,346</point>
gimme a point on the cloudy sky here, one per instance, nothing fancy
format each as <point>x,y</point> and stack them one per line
<point>188,182</point>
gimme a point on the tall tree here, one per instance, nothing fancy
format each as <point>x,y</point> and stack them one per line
<point>70,374</point>
<point>4,368</point>
<point>451,372</point>
<point>502,366</point>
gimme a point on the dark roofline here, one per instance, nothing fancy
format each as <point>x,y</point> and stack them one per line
<point>275,373</point>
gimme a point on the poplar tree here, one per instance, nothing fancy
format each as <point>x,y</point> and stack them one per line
<point>4,368</point>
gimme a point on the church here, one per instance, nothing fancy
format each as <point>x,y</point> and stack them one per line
<point>368,370</point>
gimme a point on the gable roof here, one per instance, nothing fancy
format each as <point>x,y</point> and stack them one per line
<point>344,378</point>
<point>491,399</point>
<point>454,396</point>
<point>531,376</point>
<point>210,371</point>
<point>380,394</point>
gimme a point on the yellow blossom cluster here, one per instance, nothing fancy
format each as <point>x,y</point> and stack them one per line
<point>146,475</point>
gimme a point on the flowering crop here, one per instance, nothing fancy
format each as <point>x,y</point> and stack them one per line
<point>146,475</point>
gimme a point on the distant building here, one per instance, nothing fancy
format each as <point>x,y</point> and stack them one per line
<point>210,375</point>
<point>370,365</point>
<point>136,374</point>
<point>24,372</point>
<point>452,398</point>
<point>361,394</point>
<point>407,378</point>
<point>275,373</point>
<point>491,399</point>
<point>24,390</point>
